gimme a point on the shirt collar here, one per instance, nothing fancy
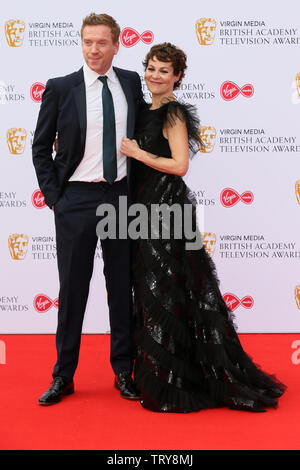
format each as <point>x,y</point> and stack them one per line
<point>90,76</point>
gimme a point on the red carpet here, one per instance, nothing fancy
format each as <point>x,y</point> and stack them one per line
<point>95,417</point>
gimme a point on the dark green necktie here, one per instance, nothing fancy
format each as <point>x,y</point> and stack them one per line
<point>109,134</point>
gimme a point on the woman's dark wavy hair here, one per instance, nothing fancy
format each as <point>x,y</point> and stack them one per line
<point>167,52</point>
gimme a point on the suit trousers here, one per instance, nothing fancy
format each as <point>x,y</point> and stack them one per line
<point>76,241</point>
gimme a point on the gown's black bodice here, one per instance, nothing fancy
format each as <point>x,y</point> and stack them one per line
<point>188,354</point>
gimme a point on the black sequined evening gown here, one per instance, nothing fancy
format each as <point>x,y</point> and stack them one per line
<point>188,354</point>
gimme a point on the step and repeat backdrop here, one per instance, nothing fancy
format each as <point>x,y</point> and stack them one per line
<point>244,77</point>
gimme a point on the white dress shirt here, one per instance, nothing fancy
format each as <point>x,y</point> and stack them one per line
<point>90,168</point>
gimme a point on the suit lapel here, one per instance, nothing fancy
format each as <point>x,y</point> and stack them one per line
<point>80,100</point>
<point>125,84</point>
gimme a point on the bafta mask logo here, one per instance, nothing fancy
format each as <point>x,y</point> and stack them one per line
<point>210,241</point>
<point>18,245</point>
<point>14,32</point>
<point>297,295</point>
<point>16,140</point>
<point>208,137</point>
<point>297,190</point>
<point>206,31</point>
<point>298,83</point>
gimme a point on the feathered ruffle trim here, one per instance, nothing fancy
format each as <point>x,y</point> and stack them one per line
<point>169,112</point>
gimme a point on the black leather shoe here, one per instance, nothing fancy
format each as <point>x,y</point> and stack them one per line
<point>124,383</point>
<point>59,388</point>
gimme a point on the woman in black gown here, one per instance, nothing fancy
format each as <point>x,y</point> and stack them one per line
<point>188,354</point>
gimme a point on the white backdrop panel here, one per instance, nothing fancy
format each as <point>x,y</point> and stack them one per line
<point>256,148</point>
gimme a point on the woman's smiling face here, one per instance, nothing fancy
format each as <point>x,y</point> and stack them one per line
<point>160,78</point>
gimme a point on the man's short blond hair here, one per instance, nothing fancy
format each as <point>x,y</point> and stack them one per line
<point>93,19</point>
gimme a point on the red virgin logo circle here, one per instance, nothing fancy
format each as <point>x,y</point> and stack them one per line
<point>233,302</point>
<point>38,200</point>
<point>230,197</point>
<point>36,91</point>
<point>42,303</point>
<point>230,90</point>
<point>130,37</point>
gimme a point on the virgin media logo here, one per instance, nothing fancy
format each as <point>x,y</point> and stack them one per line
<point>233,302</point>
<point>130,37</point>
<point>38,200</point>
<point>230,197</point>
<point>230,90</point>
<point>36,91</point>
<point>42,303</point>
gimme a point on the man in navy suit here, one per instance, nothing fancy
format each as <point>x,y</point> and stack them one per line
<point>88,111</point>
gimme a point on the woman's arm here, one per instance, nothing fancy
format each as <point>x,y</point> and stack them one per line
<point>177,136</point>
